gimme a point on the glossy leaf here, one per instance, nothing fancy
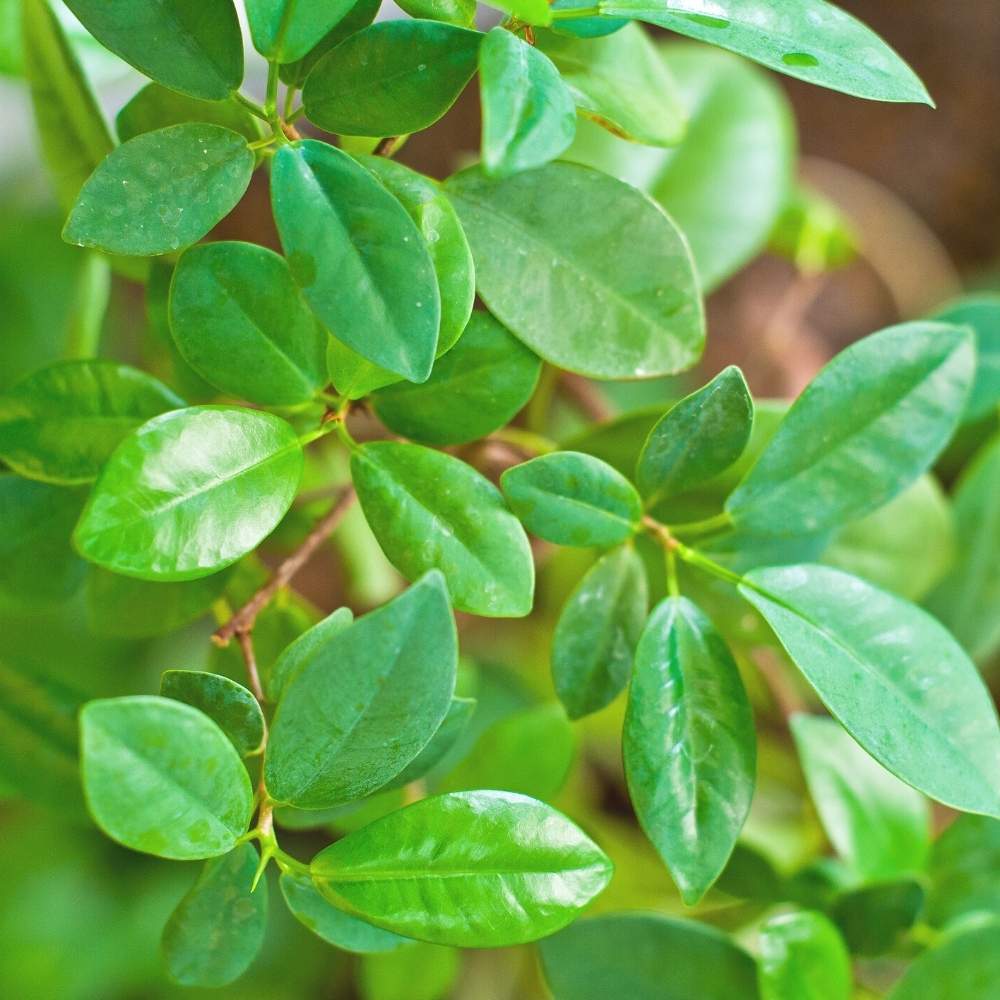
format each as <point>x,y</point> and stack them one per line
<point>608,291</point>
<point>585,27</point>
<point>155,107</point>
<point>193,46</point>
<point>218,927</point>
<point>161,191</point>
<point>573,499</point>
<point>367,703</point>
<point>645,956</point>
<point>964,871</point>
<point>61,423</point>
<point>170,503</point>
<point>391,78</point>
<point>878,825</point>
<point>896,680</point>
<point>529,117</point>
<point>887,406</point>
<point>697,438</point>
<point>239,321</point>
<point>286,30</point>
<point>360,15</point>
<point>465,531</point>
<point>964,966</point>
<point>469,869</point>
<point>304,650</point>
<point>982,313</point>
<point>597,632</point>
<point>809,39</point>
<point>162,778</point>
<point>621,82</point>
<point>689,745</point>
<point>460,12</point>
<point>803,957</point>
<point>228,704</point>
<point>358,257</point>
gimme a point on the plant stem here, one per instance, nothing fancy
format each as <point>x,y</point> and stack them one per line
<point>253,674</point>
<point>524,440</point>
<point>252,106</point>
<point>695,558</point>
<point>673,587</point>
<point>574,14</point>
<point>711,525</point>
<point>388,146</point>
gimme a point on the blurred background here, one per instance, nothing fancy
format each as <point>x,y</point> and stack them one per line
<point>885,213</point>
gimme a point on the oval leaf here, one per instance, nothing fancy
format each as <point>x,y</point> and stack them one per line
<point>964,871</point>
<point>285,30</point>
<point>803,957</point>
<point>156,107</point>
<point>964,966</point>
<point>304,650</point>
<point>228,704</point>
<point>982,313</point>
<point>360,15</point>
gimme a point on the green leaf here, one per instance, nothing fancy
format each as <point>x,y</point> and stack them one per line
<point>286,30</point>
<point>361,14</point>
<point>573,499</point>
<point>878,825</point>
<point>727,182</point>
<point>171,501</point>
<point>391,78</point>
<point>38,567</point>
<point>887,406</point>
<point>465,531</point>
<point>968,599</point>
<point>585,27</point>
<point>697,438</point>
<point>239,321</point>
<point>644,956</point>
<point>530,11</point>
<point>460,12</point>
<point>964,966</point>
<point>808,39</point>
<point>363,706</point>
<point>334,926</point>
<point>689,745</point>
<point>896,680</point>
<point>597,632</point>
<point>61,423</point>
<point>874,918</point>
<point>161,191</point>
<point>73,135</point>
<point>228,704</point>
<point>304,650</point>
<point>529,117</point>
<point>358,257</point>
<point>803,957</point>
<point>218,927</point>
<point>621,82</point>
<point>155,107</point>
<point>193,47</point>
<point>469,869</point>
<point>11,42</point>
<point>982,313</point>
<point>964,871</point>
<point>608,292</point>
<point>162,778</point>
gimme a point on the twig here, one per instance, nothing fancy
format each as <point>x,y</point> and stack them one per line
<point>387,146</point>
<point>246,648</point>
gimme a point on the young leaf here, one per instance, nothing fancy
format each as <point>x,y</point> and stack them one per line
<point>982,313</point>
<point>340,929</point>
<point>803,957</point>
<point>573,499</point>
<point>469,869</point>
<point>360,261</point>
<point>464,531</point>
<point>264,344</point>
<point>162,778</point>
<point>609,292</point>
<point>697,438</point>
<point>896,680</point>
<point>195,48</point>
<point>285,30</point>
<point>304,650</point>
<point>621,82</point>
<point>528,114</point>
<point>878,825</point>
<point>171,501</point>
<point>161,191</point>
<point>360,15</point>
<point>597,632</point>
<point>644,956</point>
<point>392,78</point>
<point>363,707</point>
<point>689,745</point>
<point>963,966</point>
<point>218,927</point>
<point>809,39</point>
<point>964,871</point>
<point>228,704</point>
<point>61,423</point>
<point>155,107</point>
<point>460,12</point>
<point>528,11</point>
<point>869,424</point>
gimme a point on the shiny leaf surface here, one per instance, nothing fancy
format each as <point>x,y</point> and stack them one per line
<point>228,704</point>
<point>803,957</point>
<point>304,650</point>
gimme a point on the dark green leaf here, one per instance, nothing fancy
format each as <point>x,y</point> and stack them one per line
<point>193,46</point>
<point>689,745</point>
<point>162,778</point>
<point>218,927</point>
<point>465,531</point>
<point>286,30</point>
<point>965,870</point>
<point>304,650</point>
<point>982,313</point>
<point>171,502</point>
<point>358,257</point>
<point>361,14</point>
<point>460,711</point>
<point>392,78</point>
<point>162,190</point>
<point>874,918</point>
<point>588,272</point>
<point>964,966</point>
<point>866,427</point>
<point>156,107</point>
<point>228,704</point>
<point>469,869</point>
<point>803,957</point>
<point>896,680</point>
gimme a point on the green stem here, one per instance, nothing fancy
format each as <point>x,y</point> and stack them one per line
<point>573,14</point>
<point>252,106</point>
<point>289,864</point>
<point>525,440</point>
<point>710,526</point>
<point>89,306</point>
<point>288,114</point>
<point>271,94</point>
<point>673,587</point>
<point>695,558</point>
<point>321,431</point>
